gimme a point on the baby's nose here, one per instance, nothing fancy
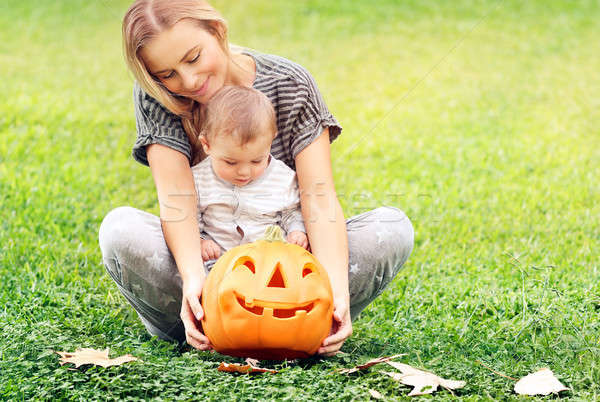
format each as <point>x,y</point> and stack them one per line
<point>244,170</point>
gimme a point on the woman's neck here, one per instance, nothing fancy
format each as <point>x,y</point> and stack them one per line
<point>242,70</point>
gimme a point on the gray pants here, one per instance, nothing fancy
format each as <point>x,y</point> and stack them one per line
<point>136,257</point>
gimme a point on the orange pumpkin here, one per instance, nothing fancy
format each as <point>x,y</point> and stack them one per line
<point>268,299</point>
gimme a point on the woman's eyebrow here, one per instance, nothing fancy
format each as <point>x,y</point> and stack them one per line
<point>182,59</point>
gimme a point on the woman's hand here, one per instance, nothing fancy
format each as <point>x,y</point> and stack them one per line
<point>298,237</point>
<point>210,250</point>
<point>192,313</point>
<point>341,328</point>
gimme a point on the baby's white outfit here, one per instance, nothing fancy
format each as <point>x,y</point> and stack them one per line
<point>233,215</point>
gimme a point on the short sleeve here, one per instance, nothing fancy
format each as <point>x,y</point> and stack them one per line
<point>156,125</point>
<point>312,116</point>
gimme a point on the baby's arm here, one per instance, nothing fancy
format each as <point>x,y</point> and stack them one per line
<point>291,220</point>
<point>293,224</point>
<point>290,215</point>
<point>299,238</point>
<point>210,249</point>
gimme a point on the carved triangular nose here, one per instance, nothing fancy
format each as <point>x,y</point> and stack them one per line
<point>277,280</point>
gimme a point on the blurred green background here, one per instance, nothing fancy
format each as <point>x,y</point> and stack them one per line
<point>478,118</point>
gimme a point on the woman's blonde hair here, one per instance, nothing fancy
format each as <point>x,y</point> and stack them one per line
<point>144,20</point>
<point>240,112</point>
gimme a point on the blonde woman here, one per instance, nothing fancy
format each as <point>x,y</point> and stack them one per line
<point>178,53</point>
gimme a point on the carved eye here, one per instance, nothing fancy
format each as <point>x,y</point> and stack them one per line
<point>245,262</point>
<point>308,269</point>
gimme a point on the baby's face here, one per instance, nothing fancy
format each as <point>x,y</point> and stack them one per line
<point>236,164</point>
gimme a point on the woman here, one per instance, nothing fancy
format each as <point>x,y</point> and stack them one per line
<point>179,55</point>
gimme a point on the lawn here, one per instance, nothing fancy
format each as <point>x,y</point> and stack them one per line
<point>480,119</point>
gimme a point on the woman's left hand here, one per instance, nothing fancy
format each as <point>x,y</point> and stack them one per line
<point>341,328</point>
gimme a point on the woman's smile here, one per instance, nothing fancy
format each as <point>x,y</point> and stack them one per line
<point>201,91</point>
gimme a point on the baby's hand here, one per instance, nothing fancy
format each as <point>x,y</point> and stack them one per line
<point>210,250</point>
<point>298,237</point>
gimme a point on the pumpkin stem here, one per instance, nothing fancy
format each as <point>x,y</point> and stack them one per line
<point>274,233</point>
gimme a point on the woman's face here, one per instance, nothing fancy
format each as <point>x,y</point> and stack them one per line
<point>188,60</point>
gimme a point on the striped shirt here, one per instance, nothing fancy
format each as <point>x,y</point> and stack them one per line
<point>301,112</point>
<point>233,215</point>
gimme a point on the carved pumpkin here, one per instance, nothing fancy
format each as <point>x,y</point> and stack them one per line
<point>268,299</point>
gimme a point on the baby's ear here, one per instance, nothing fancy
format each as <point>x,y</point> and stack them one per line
<point>204,143</point>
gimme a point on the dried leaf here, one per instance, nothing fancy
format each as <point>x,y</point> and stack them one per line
<point>423,382</point>
<point>243,368</point>
<point>93,356</point>
<point>369,364</point>
<point>375,394</point>
<point>542,382</point>
<point>251,361</point>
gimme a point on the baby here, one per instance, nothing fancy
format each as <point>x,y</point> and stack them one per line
<point>242,188</point>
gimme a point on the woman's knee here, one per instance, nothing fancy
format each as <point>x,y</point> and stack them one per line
<point>380,242</point>
<point>132,240</point>
<point>395,229</point>
<point>111,237</point>
<point>382,237</point>
<point>116,231</point>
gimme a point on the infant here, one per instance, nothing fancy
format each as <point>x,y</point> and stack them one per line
<point>242,189</point>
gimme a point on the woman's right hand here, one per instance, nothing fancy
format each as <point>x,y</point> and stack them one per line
<point>192,313</point>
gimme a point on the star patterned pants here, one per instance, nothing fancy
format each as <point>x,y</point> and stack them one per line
<point>136,257</point>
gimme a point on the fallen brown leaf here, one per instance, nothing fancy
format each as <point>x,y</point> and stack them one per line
<point>542,382</point>
<point>368,364</point>
<point>375,394</point>
<point>423,382</point>
<point>243,368</point>
<point>93,356</point>
<point>251,361</point>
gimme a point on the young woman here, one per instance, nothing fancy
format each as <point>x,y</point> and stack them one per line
<point>179,55</point>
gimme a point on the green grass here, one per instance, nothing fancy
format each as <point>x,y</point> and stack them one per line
<point>479,119</point>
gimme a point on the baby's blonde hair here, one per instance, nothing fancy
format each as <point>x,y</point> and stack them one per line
<point>240,112</point>
<point>144,20</point>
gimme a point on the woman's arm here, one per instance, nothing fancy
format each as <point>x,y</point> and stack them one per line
<point>326,229</point>
<point>178,208</point>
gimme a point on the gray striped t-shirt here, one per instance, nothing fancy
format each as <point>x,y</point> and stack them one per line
<point>301,112</point>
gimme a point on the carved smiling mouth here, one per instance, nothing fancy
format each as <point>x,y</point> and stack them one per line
<point>280,310</point>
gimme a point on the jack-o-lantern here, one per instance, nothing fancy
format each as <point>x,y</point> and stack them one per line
<point>268,299</point>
